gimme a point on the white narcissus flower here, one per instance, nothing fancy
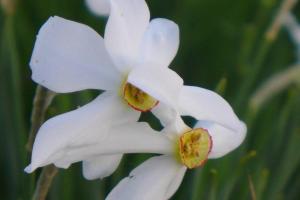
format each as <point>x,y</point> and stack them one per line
<point>130,63</point>
<point>217,132</point>
<point>98,7</point>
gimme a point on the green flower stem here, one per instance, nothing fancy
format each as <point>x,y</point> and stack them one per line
<point>44,182</point>
<point>270,88</point>
<point>9,6</point>
<point>269,37</point>
<point>274,85</point>
<point>284,9</point>
<point>42,100</point>
<point>251,188</point>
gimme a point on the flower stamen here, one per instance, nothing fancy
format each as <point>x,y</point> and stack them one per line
<point>138,99</point>
<point>194,147</point>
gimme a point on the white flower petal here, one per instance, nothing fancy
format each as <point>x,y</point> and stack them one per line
<point>161,83</point>
<point>69,56</point>
<point>165,114</point>
<point>207,105</point>
<point>176,182</point>
<point>98,7</point>
<point>135,137</point>
<point>160,43</point>
<point>175,128</point>
<point>132,137</point>
<point>83,127</point>
<point>151,180</point>
<point>170,120</point>
<point>100,166</point>
<point>224,140</point>
<point>125,28</point>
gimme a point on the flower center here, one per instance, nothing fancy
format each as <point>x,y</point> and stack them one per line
<point>138,99</point>
<point>194,147</point>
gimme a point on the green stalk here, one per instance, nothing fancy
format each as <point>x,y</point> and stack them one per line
<point>42,99</point>
<point>44,182</point>
<point>269,37</point>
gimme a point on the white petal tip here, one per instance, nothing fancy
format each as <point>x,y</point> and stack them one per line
<point>243,128</point>
<point>88,175</point>
<point>91,177</point>
<point>29,169</point>
<point>99,7</point>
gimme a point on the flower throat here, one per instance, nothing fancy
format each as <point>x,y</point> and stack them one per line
<point>138,99</point>
<point>194,147</point>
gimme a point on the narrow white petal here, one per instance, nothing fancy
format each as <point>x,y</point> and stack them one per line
<point>164,113</point>
<point>127,138</point>
<point>154,179</point>
<point>207,105</point>
<point>176,182</point>
<point>69,56</point>
<point>100,166</point>
<point>161,83</point>
<point>98,7</point>
<point>160,43</point>
<point>135,137</point>
<point>83,127</point>
<point>125,28</point>
<point>175,128</point>
<point>224,140</point>
<point>170,119</point>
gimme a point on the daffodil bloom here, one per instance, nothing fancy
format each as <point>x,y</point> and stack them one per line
<point>217,132</point>
<point>159,177</point>
<point>98,7</point>
<point>130,64</point>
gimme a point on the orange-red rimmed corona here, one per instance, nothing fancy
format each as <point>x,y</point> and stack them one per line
<point>194,147</point>
<point>138,99</point>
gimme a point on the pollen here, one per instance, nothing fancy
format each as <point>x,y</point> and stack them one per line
<point>138,99</point>
<point>194,147</point>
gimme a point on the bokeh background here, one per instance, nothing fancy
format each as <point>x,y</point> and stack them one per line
<point>225,46</point>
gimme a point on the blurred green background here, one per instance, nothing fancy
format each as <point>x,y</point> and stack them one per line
<point>223,47</point>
